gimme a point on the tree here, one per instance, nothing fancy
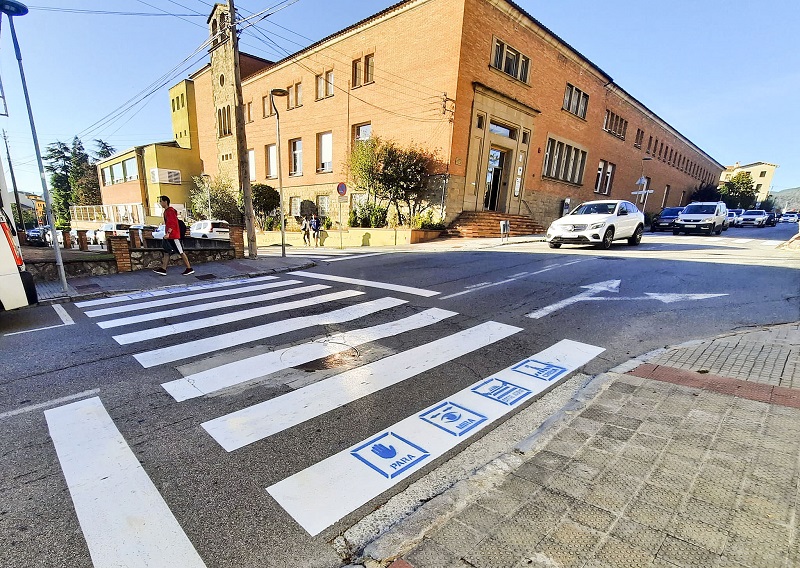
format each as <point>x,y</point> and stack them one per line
<point>83,176</point>
<point>28,218</point>
<point>57,156</point>
<point>364,165</point>
<point>104,149</point>
<point>404,177</point>
<point>706,192</point>
<point>739,191</point>
<point>224,203</point>
<point>768,204</point>
<point>266,202</point>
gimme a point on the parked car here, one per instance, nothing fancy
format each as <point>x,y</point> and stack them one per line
<point>37,236</point>
<point>789,218</point>
<point>772,219</point>
<point>598,223</point>
<point>90,237</point>
<point>111,230</point>
<point>738,216</point>
<point>48,235</point>
<point>141,228</point>
<point>210,229</point>
<point>754,218</point>
<point>665,220</point>
<point>703,217</point>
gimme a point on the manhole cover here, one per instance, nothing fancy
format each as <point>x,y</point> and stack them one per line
<point>331,361</point>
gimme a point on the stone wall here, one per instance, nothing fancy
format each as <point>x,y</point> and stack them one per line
<point>148,258</point>
<point>46,270</point>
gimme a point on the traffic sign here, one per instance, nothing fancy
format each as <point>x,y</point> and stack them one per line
<point>341,188</point>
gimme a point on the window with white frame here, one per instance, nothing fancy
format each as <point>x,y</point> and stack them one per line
<point>575,101</point>
<point>358,73</point>
<point>296,157</point>
<point>362,132</point>
<point>359,199</point>
<point>615,124</point>
<point>267,106</point>
<point>510,61</point>
<point>605,177</point>
<point>564,161</point>
<point>271,152</point>
<point>107,180</point>
<point>369,68</point>
<point>325,85</point>
<point>131,169</point>
<point>294,206</point>
<point>325,152</point>
<point>116,173</point>
<point>323,205</point>
<point>251,164</point>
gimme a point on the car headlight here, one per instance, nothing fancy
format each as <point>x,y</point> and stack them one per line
<point>598,225</point>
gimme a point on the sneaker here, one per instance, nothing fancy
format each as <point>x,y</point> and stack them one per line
<point>187,272</point>
<point>160,271</point>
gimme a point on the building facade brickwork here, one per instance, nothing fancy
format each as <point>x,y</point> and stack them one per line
<point>521,120</point>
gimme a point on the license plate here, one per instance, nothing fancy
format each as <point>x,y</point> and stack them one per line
<point>690,226</point>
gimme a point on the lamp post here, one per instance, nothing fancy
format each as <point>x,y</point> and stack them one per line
<point>207,182</point>
<point>643,182</point>
<point>272,94</point>
<point>13,8</point>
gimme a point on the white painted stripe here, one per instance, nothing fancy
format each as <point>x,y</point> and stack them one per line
<point>147,294</point>
<point>242,336</point>
<point>367,283</point>
<point>356,256</point>
<point>32,330</point>
<point>249,425</point>
<point>325,492</point>
<point>185,310</point>
<point>187,298</point>
<point>53,402</point>
<point>221,319</point>
<point>771,243</point>
<point>237,372</point>
<point>62,313</point>
<point>124,518</point>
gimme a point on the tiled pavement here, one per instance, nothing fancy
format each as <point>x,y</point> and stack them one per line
<point>679,467</point>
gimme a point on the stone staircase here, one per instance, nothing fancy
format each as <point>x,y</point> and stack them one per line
<point>472,224</point>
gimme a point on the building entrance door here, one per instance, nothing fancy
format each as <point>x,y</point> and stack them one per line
<point>494,179</point>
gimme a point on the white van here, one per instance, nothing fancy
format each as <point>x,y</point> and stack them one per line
<point>702,217</point>
<point>16,284</point>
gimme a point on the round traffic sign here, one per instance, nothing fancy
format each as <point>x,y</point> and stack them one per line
<point>341,188</point>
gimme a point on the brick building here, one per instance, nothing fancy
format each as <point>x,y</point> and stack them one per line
<point>520,118</point>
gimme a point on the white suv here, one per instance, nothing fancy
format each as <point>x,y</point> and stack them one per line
<point>598,223</point>
<point>704,217</point>
<point>754,218</point>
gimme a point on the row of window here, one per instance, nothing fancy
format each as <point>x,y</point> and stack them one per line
<point>672,157</point>
<point>510,61</point>
<point>178,102</point>
<point>123,171</point>
<point>295,148</point>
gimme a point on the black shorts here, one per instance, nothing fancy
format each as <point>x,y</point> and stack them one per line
<point>172,246</point>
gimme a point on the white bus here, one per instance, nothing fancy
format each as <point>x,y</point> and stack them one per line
<point>16,284</point>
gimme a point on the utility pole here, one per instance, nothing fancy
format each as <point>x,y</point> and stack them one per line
<point>241,141</point>
<point>14,183</point>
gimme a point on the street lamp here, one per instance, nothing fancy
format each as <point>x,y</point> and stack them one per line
<point>272,94</point>
<point>207,182</point>
<point>13,8</point>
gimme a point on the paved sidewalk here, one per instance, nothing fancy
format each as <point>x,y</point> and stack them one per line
<point>688,459</point>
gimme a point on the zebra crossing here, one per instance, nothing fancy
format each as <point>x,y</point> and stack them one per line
<point>320,254</point>
<point>224,360</point>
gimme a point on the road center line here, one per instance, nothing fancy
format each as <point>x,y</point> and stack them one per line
<point>62,313</point>
<point>124,518</point>
<point>368,283</point>
<point>53,402</point>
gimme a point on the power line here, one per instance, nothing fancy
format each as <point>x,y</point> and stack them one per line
<point>107,12</point>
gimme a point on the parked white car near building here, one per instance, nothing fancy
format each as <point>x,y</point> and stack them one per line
<point>598,223</point>
<point>210,229</point>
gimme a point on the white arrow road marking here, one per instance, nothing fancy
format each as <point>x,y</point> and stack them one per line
<point>254,423</point>
<point>591,290</point>
<point>124,518</point>
<point>323,493</point>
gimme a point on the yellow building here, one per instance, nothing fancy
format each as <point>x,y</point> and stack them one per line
<point>132,180</point>
<point>760,172</point>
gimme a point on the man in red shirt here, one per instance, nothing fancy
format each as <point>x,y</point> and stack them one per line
<point>172,238</point>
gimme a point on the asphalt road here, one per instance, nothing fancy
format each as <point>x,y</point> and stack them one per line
<point>121,432</point>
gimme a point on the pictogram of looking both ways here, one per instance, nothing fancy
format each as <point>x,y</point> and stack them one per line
<point>592,291</point>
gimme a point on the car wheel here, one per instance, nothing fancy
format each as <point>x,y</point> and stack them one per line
<point>554,245</point>
<point>711,230</point>
<point>608,238</point>
<point>636,237</point>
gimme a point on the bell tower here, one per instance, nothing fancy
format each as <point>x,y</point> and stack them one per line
<point>223,91</point>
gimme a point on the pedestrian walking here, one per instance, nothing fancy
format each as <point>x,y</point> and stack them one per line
<point>305,227</point>
<point>172,238</point>
<point>316,225</point>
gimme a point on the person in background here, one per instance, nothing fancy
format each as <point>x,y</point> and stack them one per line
<point>305,228</point>
<point>316,225</point>
<point>172,238</point>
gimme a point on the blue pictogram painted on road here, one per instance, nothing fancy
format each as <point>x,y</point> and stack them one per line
<point>452,418</point>
<point>389,454</point>
<point>539,370</point>
<point>501,391</point>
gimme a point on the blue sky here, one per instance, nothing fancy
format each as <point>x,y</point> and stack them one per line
<point>722,72</point>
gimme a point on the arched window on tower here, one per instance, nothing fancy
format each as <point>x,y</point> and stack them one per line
<point>214,33</point>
